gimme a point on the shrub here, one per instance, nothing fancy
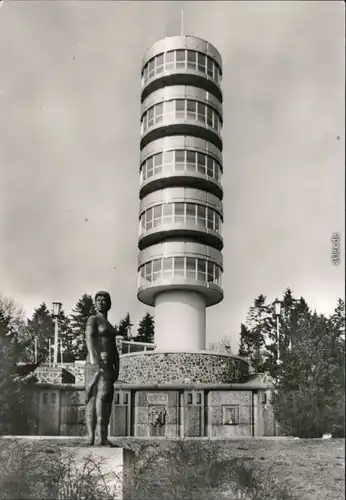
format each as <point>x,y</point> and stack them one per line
<point>196,470</point>
<point>186,470</point>
<point>47,473</point>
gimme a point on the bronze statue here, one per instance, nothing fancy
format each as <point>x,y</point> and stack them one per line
<point>101,370</point>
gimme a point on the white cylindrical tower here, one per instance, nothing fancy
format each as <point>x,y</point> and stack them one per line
<point>187,331</point>
<point>180,261</point>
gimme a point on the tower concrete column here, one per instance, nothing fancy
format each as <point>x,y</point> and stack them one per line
<point>180,321</point>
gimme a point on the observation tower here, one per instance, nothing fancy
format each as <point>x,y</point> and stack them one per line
<point>180,217</point>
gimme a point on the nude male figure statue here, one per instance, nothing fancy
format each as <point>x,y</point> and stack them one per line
<point>101,370</point>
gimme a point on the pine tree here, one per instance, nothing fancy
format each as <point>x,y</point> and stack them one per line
<point>338,319</point>
<point>258,336</point>
<point>253,336</point>
<point>16,393</point>
<point>41,327</point>
<point>84,308</point>
<point>65,338</point>
<point>124,327</point>
<point>309,397</point>
<point>16,315</point>
<point>246,341</point>
<point>146,330</point>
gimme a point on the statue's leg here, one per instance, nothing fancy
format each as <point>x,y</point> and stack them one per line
<point>104,399</point>
<point>90,417</point>
<point>107,408</point>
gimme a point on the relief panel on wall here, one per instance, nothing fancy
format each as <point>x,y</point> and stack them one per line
<point>157,420</point>
<point>230,414</point>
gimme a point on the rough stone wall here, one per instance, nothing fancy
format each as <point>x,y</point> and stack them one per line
<point>77,370</point>
<point>180,367</point>
<point>54,375</point>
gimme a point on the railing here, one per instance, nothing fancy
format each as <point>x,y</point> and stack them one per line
<point>127,346</point>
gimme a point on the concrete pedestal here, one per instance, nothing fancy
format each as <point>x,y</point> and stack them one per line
<point>111,467</point>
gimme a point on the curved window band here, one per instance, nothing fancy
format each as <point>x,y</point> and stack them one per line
<point>189,268</point>
<point>180,160</point>
<point>180,213</point>
<point>181,109</point>
<point>183,59</point>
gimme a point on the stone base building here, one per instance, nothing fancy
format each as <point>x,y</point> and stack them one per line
<point>163,394</point>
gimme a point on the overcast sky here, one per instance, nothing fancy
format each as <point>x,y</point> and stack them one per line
<point>69,148</point>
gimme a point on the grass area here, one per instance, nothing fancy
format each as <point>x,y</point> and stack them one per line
<point>258,469</point>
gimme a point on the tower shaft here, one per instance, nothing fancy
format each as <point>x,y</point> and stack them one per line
<point>180,261</point>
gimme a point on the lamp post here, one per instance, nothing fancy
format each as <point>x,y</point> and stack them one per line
<point>277,308</point>
<point>56,312</point>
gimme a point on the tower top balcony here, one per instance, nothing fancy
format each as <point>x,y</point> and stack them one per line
<point>182,60</point>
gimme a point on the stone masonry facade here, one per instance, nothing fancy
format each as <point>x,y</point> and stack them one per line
<point>182,367</point>
<point>195,411</point>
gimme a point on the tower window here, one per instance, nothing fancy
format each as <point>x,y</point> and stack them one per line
<point>210,274</point>
<point>191,59</point>
<point>210,115</point>
<point>167,267</point>
<point>210,67</point>
<point>190,268</point>
<point>180,267</point>
<point>210,167</point>
<point>169,60</point>
<point>162,163</point>
<point>191,109</point>
<point>168,212</point>
<point>180,160</point>
<point>151,66</point>
<point>201,215</point>
<point>191,213</point>
<point>179,210</point>
<point>180,108</point>
<point>201,112</point>
<point>180,213</point>
<point>184,109</point>
<point>210,218</point>
<point>191,161</point>
<point>180,59</point>
<point>201,274</point>
<point>159,63</point>
<point>157,268</point>
<point>201,60</point>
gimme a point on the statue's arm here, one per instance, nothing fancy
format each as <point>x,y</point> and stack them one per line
<point>116,362</point>
<point>91,340</point>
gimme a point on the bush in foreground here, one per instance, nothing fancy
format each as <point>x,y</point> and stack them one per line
<point>46,473</point>
<point>188,470</point>
<point>197,470</point>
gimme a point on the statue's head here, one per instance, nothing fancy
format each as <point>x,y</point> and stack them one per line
<point>103,301</point>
